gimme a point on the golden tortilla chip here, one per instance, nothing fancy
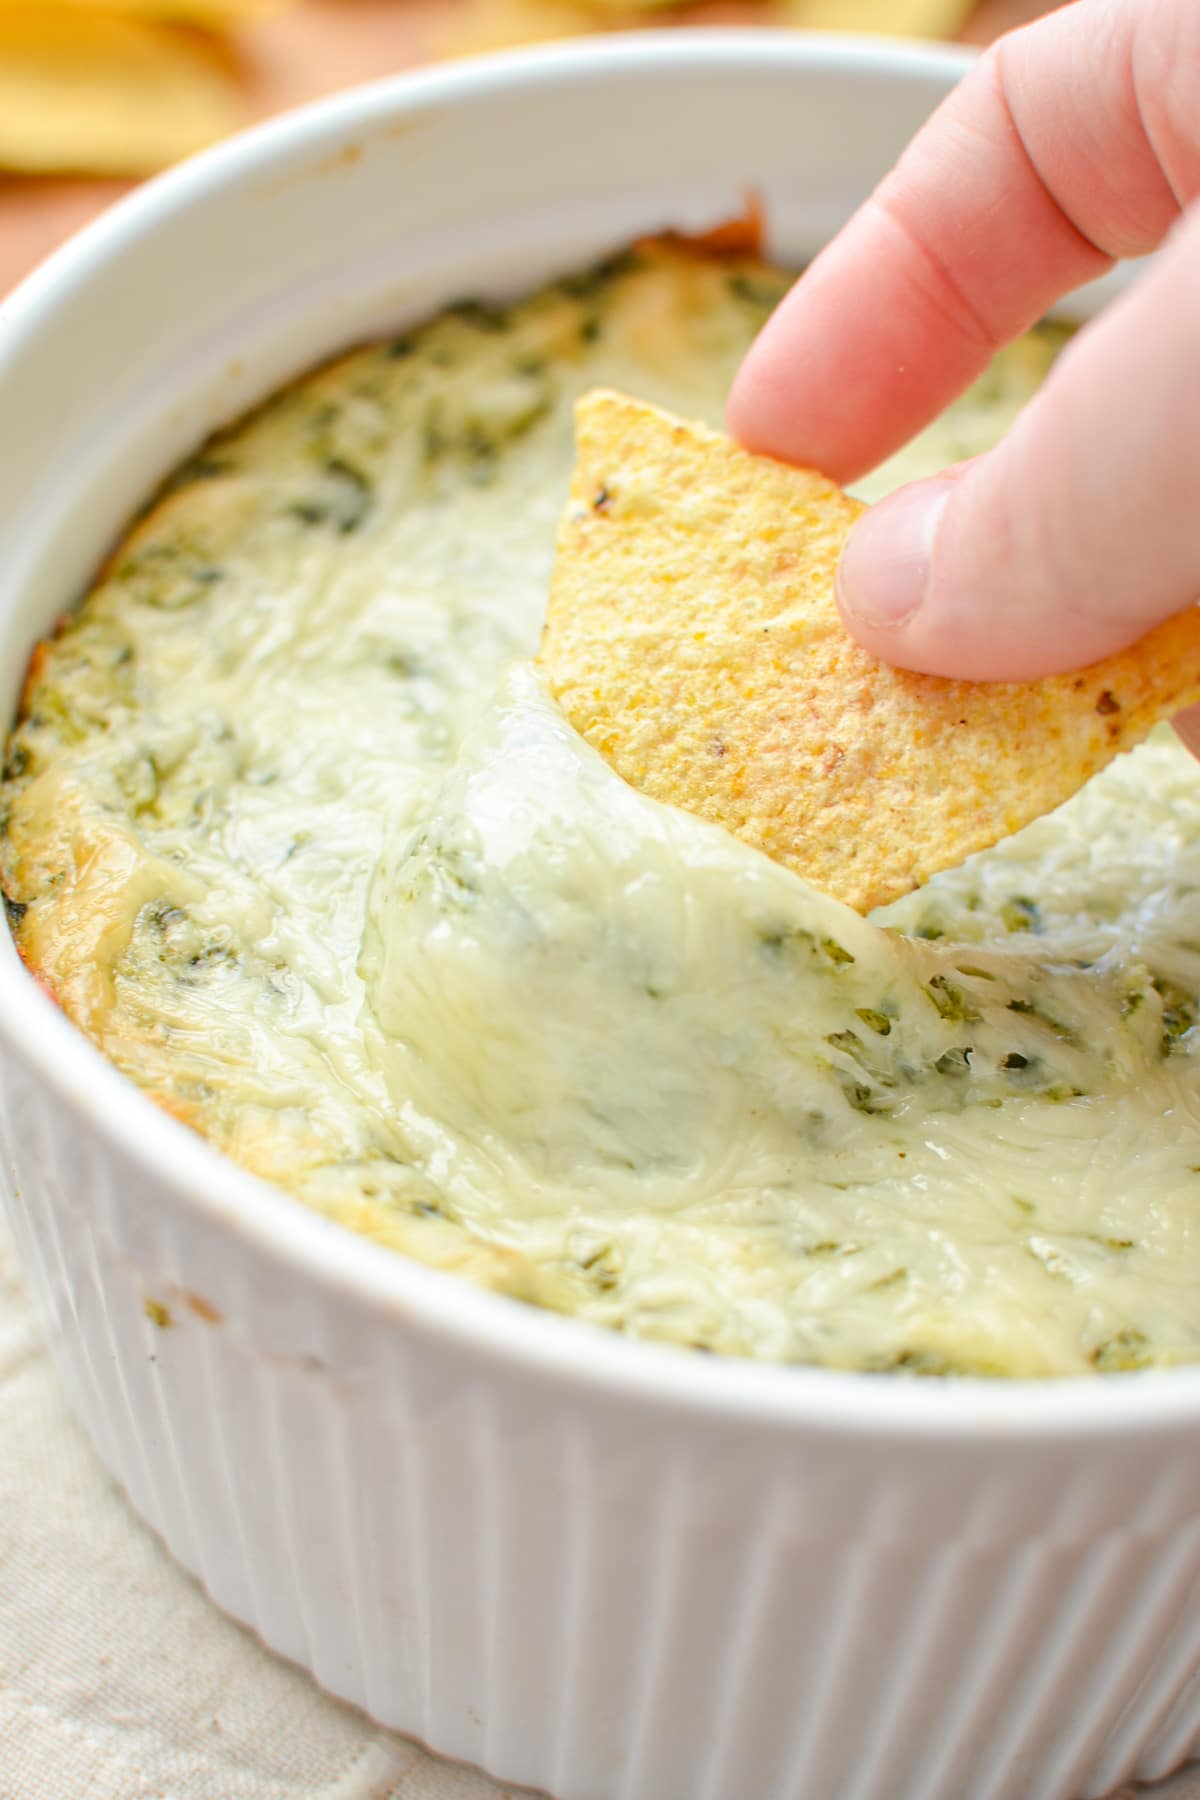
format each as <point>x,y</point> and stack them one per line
<point>216,15</point>
<point>694,640</point>
<point>83,92</point>
<point>890,18</point>
<point>484,25</point>
<point>497,24</point>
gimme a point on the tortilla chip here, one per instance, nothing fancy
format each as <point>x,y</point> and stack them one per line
<point>83,92</point>
<point>890,18</point>
<point>694,640</point>
<point>481,26</point>
<point>216,15</point>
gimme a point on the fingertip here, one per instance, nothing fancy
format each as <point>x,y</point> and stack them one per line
<point>747,410</point>
<point>792,399</point>
<point>765,409</point>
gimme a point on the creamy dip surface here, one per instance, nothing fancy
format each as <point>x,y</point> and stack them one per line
<point>293,831</point>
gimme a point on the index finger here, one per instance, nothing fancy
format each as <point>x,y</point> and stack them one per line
<point>1069,144</point>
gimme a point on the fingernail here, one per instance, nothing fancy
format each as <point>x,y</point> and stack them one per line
<point>884,568</point>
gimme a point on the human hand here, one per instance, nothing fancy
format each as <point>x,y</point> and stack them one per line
<point>1071,143</point>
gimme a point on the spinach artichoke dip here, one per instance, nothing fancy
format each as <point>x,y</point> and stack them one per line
<point>293,832</point>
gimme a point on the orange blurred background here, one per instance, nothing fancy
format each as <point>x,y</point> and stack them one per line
<point>314,47</point>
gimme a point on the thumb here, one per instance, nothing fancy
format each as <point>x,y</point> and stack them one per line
<point>1073,537</point>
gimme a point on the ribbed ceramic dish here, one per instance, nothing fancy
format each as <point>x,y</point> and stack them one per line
<point>589,1565</point>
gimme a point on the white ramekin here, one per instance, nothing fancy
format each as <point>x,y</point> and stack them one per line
<point>607,1569</point>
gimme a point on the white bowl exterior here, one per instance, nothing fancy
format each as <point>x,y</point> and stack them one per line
<point>590,1566</point>
<point>598,1596</point>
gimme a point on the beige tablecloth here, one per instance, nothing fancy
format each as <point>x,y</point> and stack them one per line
<point>120,1681</point>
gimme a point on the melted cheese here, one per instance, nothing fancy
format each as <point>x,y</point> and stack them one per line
<point>294,833</point>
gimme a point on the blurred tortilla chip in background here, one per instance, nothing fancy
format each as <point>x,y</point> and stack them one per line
<point>88,92</point>
<point>216,15</point>
<point>495,24</point>
<point>891,18</point>
<point>95,94</point>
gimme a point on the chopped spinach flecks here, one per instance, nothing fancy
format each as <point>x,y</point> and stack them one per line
<point>591,282</point>
<point>407,664</point>
<point>480,315</point>
<point>165,916</point>
<point>18,761</point>
<point>1029,1009</point>
<point>602,1266</point>
<point>892,1279</point>
<point>837,953</point>
<point>341,497</point>
<point>434,441</point>
<point>871,1101</point>
<point>1021,914</point>
<point>929,930</point>
<point>755,291</point>
<point>1124,1350</point>
<point>426,1209</point>
<point>208,464</point>
<point>950,1000</point>
<point>917,1362</point>
<point>820,952</point>
<point>204,466</point>
<point>167,575</point>
<point>1179,1010</point>
<point>877,1021</point>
